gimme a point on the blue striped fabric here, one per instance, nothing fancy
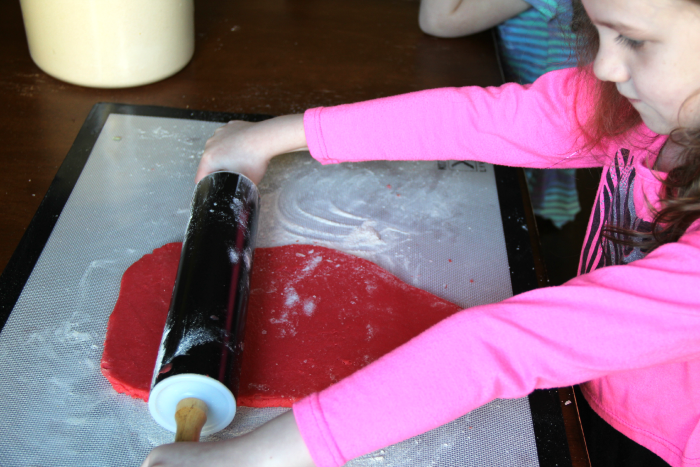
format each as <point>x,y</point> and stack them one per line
<point>553,194</point>
<point>531,44</point>
<point>537,41</point>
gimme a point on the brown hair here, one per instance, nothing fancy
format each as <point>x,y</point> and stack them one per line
<point>612,117</point>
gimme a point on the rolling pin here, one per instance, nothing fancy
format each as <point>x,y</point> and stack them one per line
<point>196,376</point>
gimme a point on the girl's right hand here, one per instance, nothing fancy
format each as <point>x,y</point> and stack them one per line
<point>278,443</point>
<point>247,148</point>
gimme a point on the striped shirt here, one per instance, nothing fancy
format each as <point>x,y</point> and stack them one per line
<point>537,41</point>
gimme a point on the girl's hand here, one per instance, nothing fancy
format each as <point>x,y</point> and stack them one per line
<point>247,148</point>
<point>221,453</point>
<point>277,443</point>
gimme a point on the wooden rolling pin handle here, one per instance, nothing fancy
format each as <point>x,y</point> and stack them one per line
<point>190,417</point>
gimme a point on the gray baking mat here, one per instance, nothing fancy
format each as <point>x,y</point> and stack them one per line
<point>436,226</point>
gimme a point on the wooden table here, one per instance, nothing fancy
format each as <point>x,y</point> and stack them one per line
<point>264,56</point>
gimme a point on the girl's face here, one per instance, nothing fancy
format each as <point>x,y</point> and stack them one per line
<point>651,50</point>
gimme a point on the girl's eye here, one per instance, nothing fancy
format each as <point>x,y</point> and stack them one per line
<point>627,42</point>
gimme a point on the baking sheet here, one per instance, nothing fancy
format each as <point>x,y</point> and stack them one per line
<point>435,225</point>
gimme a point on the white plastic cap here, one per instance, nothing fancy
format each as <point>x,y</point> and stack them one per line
<point>165,396</point>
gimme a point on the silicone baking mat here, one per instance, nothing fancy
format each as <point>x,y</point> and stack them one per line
<point>454,228</point>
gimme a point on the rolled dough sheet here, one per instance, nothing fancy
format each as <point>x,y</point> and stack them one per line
<point>136,324</point>
<point>315,316</point>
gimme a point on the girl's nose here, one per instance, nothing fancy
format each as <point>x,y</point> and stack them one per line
<point>609,64</point>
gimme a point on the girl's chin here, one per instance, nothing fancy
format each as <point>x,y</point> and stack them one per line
<point>657,125</point>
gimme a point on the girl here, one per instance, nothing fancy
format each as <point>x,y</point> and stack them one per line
<point>628,327</point>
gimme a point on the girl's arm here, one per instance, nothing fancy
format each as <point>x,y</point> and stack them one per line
<point>637,325</point>
<point>453,18</point>
<point>533,126</point>
<point>526,126</point>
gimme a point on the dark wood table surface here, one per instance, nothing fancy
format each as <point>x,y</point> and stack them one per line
<point>263,56</point>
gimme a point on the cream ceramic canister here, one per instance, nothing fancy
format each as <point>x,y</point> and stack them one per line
<point>110,43</point>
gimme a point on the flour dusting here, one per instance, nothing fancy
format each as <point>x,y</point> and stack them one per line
<point>291,297</point>
<point>370,332</point>
<point>312,264</point>
<point>233,255</point>
<point>193,338</point>
<point>309,307</point>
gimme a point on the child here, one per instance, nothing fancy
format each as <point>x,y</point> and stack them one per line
<point>628,327</point>
<point>534,37</point>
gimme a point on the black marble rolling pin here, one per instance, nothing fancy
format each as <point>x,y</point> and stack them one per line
<point>196,377</point>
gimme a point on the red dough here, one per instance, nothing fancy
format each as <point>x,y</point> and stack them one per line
<point>136,325</point>
<point>315,316</point>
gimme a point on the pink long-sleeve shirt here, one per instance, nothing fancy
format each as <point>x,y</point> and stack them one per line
<point>628,325</point>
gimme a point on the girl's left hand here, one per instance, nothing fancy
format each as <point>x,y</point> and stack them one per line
<point>247,148</point>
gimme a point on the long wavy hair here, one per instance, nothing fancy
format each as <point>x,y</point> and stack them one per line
<point>612,117</point>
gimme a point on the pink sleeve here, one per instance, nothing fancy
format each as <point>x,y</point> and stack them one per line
<point>615,319</point>
<point>524,126</point>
